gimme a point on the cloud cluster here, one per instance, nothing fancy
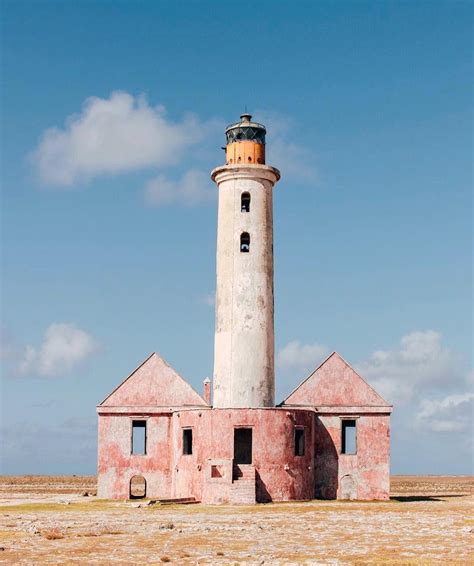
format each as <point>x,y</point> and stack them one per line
<point>420,364</point>
<point>114,135</point>
<point>420,374</point>
<point>63,347</point>
<point>300,358</point>
<point>193,188</point>
<point>451,414</point>
<point>124,133</point>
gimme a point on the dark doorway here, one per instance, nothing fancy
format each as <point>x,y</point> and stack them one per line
<point>242,446</point>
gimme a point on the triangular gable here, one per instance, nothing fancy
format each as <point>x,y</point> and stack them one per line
<point>153,383</point>
<point>335,383</point>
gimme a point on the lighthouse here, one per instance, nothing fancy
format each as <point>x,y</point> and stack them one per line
<point>244,367</point>
<point>159,438</point>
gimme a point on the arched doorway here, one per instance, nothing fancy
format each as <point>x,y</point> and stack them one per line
<point>348,487</point>
<point>137,487</point>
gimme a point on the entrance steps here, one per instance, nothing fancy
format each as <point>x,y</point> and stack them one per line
<point>243,485</point>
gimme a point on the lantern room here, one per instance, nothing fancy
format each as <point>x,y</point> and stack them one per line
<point>245,142</point>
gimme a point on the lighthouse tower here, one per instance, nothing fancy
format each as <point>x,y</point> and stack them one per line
<point>244,369</point>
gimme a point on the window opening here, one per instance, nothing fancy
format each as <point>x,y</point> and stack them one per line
<point>349,437</point>
<point>187,441</point>
<point>245,242</point>
<point>217,471</point>
<point>138,437</point>
<point>299,441</point>
<point>245,202</point>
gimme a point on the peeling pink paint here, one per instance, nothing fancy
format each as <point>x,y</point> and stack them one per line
<point>156,393</point>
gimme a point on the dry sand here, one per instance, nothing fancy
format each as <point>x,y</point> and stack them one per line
<point>47,520</point>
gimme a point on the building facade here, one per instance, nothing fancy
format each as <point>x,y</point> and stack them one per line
<point>158,438</point>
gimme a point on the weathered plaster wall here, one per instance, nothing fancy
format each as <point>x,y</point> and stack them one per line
<point>116,464</point>
<point>281,475</point>
<point>244,335</point>
<point>367,471</point>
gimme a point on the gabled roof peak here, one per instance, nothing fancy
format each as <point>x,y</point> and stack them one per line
<point>153,383</point>
<point>335,382</point>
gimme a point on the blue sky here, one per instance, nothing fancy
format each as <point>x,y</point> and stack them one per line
<point>109,255</point>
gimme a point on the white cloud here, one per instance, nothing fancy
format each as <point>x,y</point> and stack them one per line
<point>450,414</point>
<point>195,187</point>
<point>300,358</point>
<point>420,367</point>
<point>124,133</point>
<point>420,362</point>
<point>63,347</point>
<point>113,135</point>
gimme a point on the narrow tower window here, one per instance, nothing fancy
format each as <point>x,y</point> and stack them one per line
<point>245,202</point>
<point>245,242</point>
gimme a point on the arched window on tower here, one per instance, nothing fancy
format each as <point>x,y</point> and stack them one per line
<point>245,202</point>
<point>245,242</point>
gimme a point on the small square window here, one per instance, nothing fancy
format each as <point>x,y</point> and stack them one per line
<point>299,441</point>
<point>217,471</point>
<point>187,441</point>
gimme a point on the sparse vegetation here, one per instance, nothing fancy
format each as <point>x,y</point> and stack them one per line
<point>426,523</point>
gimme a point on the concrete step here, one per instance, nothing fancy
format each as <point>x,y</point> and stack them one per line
<point>241,471</point>
<point>243,490</point>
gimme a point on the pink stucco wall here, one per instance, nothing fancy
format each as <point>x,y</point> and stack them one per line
<point>336,391</point>
<point>368,469</point>
<point>156,393</point>
<point>280,475</point>
<point>116,464</point>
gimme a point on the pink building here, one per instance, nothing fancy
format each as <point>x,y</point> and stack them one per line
<point>329,439</point>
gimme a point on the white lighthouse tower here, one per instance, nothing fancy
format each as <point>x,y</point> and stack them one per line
<point>244,368</point>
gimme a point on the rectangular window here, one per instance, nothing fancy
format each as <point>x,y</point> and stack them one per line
<point>299,441</point>
<point>349,437</point>
<point>187,441</point>
<point>138,437</point>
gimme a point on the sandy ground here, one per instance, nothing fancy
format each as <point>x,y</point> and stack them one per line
<point>48,520</point>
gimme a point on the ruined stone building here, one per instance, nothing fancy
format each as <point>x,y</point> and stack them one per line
<point>330,438</point>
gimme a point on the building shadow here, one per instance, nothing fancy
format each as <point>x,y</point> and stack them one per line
<point>262,493</point>
<point>326,463</point>
<point>407,498</point>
